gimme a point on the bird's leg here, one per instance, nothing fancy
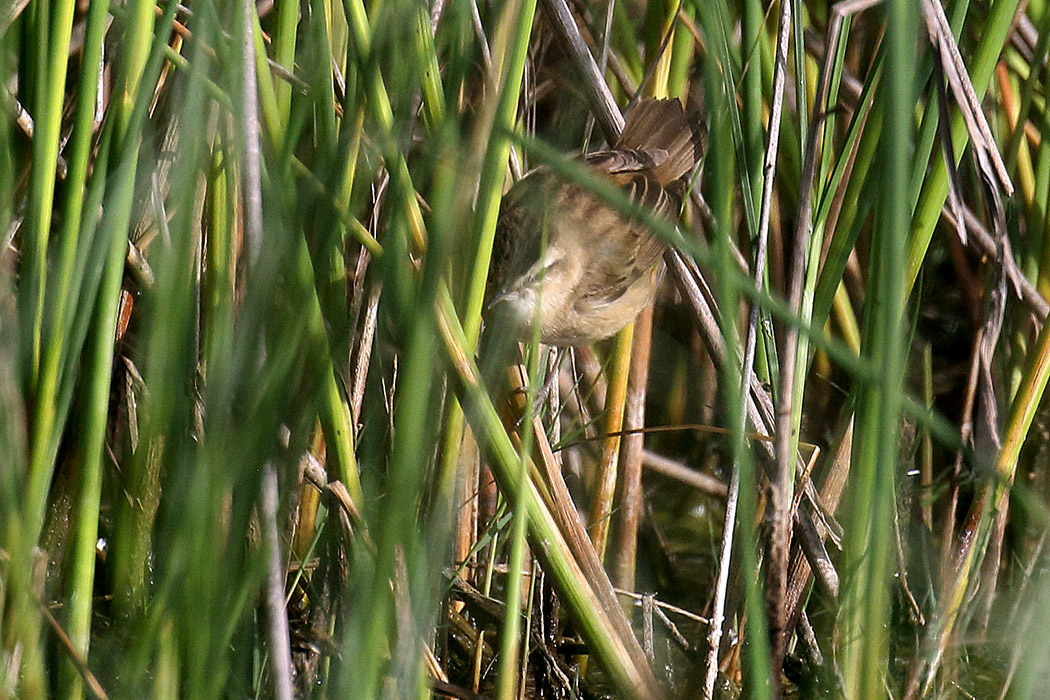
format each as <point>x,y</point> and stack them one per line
<point>552,376</point>
<point>548,385</point>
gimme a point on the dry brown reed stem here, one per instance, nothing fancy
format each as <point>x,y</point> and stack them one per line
<point>926,463</point>
<point>672,469</point>
<point>965,433</point>
<point>780,477</point>
<point>90,680</point>
<point>631,508</point>
<point>830,495</point>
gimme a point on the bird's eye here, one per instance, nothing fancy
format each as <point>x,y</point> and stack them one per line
<point>552,265</point>
<point>537,274</point>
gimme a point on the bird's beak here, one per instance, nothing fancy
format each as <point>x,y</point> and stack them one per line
<point>501,296</point>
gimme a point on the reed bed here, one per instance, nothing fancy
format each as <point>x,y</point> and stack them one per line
<point>251,444</point>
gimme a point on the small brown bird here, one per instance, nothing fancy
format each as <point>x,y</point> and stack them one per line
<point>597,268</point>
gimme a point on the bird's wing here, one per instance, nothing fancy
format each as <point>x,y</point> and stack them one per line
<point>635,171</point>
<point>617,262</point>
<point>622,250</point>
<point>655,125</point>
<point>624,161</point>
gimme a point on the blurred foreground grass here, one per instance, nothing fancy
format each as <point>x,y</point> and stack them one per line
<point>244,449</point>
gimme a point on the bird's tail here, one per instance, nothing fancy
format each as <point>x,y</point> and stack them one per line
<point>655,125</point>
